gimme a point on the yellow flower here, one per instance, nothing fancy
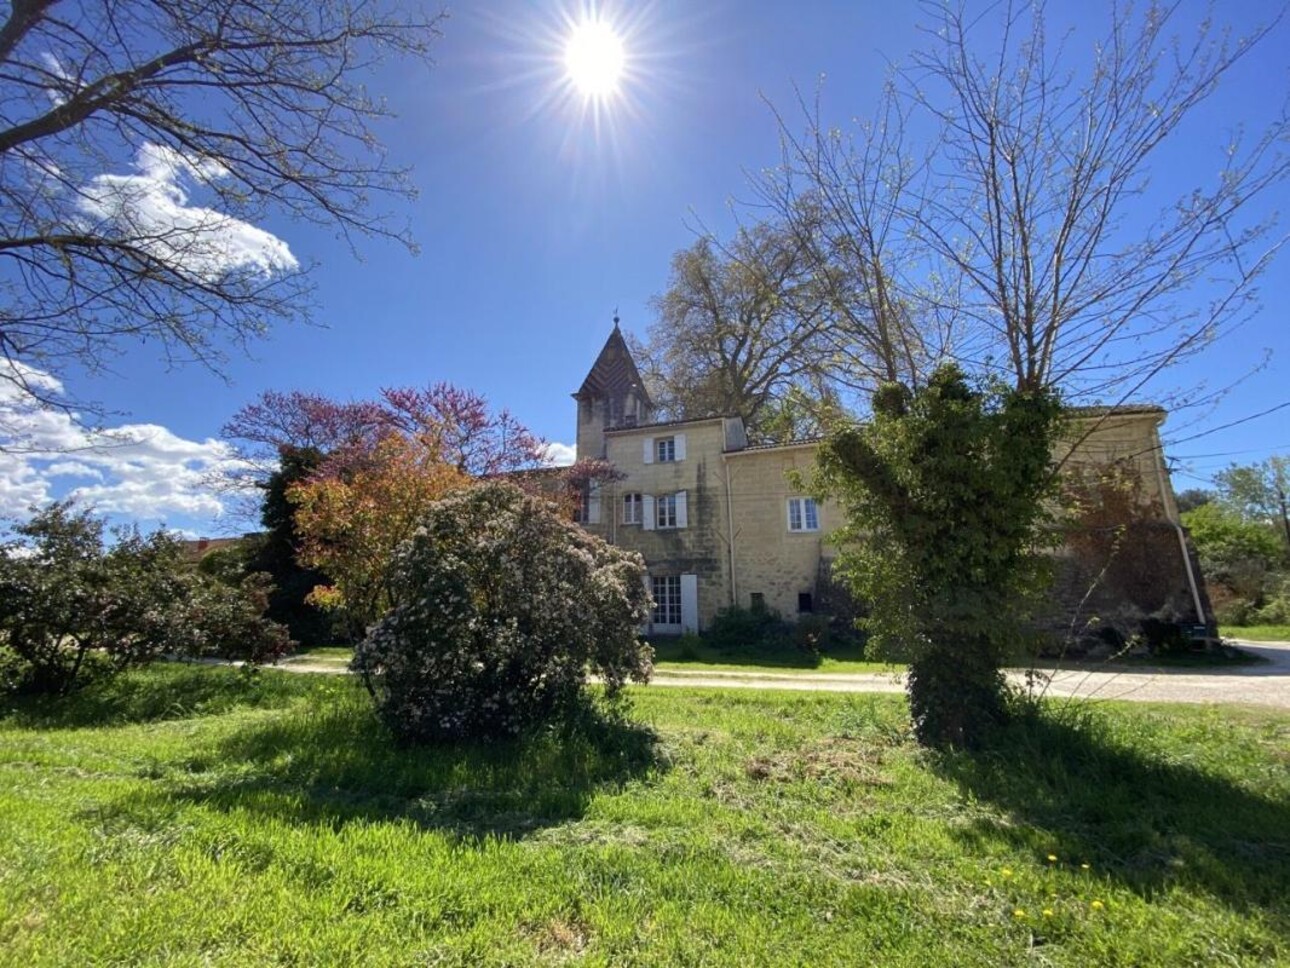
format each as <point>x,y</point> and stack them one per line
<point>1048,912</point>
<point>1052,858</point>
<point>1006,872</point>
<point>1018,913</point>
<point>1083,867</point>
<point>1097,905</point>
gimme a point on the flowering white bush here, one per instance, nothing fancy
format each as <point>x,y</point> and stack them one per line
<point>502,609</point>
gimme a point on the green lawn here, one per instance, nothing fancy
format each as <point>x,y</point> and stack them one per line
<point>194,816</point>
<point>691,655</point>
<point>1257,633</point>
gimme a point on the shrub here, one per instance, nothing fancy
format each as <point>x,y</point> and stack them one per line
<point>813,634</point>
<point>502,608</point>
<point>73,610</point>
<point>749,630</point>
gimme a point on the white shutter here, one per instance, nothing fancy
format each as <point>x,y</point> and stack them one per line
<point>689,603</point>
<point>593,506</point>
<point>649,450</point>
<point>679,439</point>
<point>788,507</point>
<point>682,518</point>
<point>647,519</point>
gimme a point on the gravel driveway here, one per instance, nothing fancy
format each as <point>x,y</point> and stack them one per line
<point>1263,684</point>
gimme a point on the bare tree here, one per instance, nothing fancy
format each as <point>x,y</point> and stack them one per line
<point>846,201</point>
<point>738,330</point>
<point>1026,240</point>
<point>258,105</point>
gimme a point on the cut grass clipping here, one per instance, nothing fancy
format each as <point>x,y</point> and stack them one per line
<point>198,816</point>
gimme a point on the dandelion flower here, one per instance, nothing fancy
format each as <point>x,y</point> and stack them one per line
<point>1048,912</point>
<point>1018,913</point>
<point>1052,858</point>
<point>1006,872</point>
<point>1083,867</point>
<point>1097,905</point>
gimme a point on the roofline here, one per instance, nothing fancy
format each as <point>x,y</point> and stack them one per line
<point>766,448</point>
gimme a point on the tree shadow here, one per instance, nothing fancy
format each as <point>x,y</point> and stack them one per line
<point>164,691</point>
<point>1147,823</point>
<point>336,765</point>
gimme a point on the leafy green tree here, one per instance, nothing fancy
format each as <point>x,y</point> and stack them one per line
<point>944,492</point>
<point>1234,550</point>
<point>1193,498</point>
<point>278,550</point>
<point>1259,492</point>
<point>74,609</point>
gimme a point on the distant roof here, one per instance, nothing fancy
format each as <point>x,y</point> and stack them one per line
<point>614,372</point>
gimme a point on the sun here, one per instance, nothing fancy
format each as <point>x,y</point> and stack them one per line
<point>594,59</point>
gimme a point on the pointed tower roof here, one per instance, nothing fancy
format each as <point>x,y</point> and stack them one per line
<point>614,372</point>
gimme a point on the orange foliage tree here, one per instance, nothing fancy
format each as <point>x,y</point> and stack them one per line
<point>354,514</point>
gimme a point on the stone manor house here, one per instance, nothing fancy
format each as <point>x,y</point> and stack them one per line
<point>719,523</point>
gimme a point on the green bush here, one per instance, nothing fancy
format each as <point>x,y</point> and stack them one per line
<point>502,609</point>
<point>813,634</point>
<point>73,610</point>
<point>1234,613</point>
<point>750,631</point>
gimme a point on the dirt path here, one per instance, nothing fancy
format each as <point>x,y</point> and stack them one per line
<point>1264,684</point>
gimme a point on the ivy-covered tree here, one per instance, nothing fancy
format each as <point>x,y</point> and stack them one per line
<point>944,492</point>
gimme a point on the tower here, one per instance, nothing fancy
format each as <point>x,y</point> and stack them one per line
<point>613,395</point>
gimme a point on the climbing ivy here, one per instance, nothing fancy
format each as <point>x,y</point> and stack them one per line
<point>945,493</point>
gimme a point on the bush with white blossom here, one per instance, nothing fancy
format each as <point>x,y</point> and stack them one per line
<point>502,610</point>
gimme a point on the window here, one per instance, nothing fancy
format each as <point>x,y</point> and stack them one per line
<point>665,511</point>
<point>667,599</point>
<point>805,602</point>
<point>665,449</point>
<point>803,515</point>
<point>757,602</point>
<point>632,505</point>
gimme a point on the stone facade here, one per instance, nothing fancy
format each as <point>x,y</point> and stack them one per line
<point>721,523</point>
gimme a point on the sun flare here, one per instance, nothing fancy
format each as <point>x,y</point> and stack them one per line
<point>594,59</point>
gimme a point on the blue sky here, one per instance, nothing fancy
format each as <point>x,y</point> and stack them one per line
<point>536,219</point>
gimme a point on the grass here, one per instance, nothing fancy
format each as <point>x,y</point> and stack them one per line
<point>1258,633</point>
<point>690,654</point>
<point>196,816</point>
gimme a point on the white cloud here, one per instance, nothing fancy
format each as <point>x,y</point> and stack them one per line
<point>561,455</point>
<point>140,471</point>
<point>151,207</point>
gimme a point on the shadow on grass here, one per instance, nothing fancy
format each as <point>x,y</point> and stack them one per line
<point>161,692</point>
<point>334,765</point>
<point>1074,790</point>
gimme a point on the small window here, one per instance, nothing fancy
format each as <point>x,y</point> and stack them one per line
<point>667,599</point>
<point>665,511</point>
<point>757,601</point>
<point>805,602</point>
<point>632,509</point>
<point>803,515</point>
<point>665,449</point>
